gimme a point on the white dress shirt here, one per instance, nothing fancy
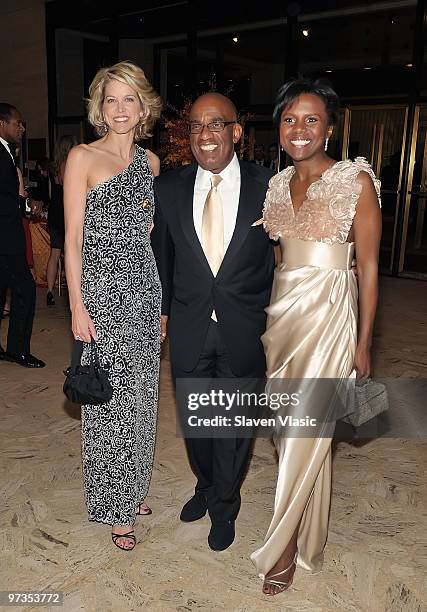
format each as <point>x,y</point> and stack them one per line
<point>6,146</point>
<point>229,190</point>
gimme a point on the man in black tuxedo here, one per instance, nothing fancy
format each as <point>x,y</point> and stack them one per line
<point>216,274</point>
<point>14,271</point>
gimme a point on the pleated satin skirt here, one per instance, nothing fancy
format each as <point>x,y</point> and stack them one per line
<point>311,334</point>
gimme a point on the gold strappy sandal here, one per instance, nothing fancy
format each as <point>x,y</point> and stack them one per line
<point>282,586</point>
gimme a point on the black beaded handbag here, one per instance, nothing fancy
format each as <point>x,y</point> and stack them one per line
<point>86,384</point>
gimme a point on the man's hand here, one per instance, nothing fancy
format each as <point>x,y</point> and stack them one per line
<point>36,207</point>
<point>163,327</point>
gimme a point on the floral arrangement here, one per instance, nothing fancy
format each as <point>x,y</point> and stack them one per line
<point>174,140</point>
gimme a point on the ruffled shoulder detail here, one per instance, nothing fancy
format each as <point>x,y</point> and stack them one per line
<point>276,209</point>
<point>362,164</point>
<point>327,213</point>
<point>342,190</point>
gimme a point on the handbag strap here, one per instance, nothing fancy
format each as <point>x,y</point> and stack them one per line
<point>76,355</point>
<point>94,357</point>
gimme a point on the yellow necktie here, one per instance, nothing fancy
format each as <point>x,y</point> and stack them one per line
<point>213,226</point>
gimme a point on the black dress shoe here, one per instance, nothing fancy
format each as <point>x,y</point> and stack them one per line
<point>2,353</point>
<point>221,535</point>
<point>27,361</point>
<point>49,299</point>
<point>195,508</point>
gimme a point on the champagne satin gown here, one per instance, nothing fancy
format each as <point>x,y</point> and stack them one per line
<point>311,333</point>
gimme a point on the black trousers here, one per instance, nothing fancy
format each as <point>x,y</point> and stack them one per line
<point>15,273</point>
<point>220,464</point>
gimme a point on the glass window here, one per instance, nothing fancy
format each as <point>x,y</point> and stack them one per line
<point>377,134</point>
<point>416,238</point>
<point>364,54</point>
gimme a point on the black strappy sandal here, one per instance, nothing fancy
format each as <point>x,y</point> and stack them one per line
<point>130,536</point>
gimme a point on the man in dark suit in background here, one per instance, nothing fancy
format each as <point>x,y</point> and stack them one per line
<point>273,152</point>
<point>216,269</point>
<point>14,271</point>
<point>259,156</point>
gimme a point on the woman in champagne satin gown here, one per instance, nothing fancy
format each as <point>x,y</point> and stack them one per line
<point>321,211</point>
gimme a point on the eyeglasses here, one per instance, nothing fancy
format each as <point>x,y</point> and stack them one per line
<point>213,126</point>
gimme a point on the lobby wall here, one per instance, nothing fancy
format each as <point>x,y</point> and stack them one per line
<point>24,69</point>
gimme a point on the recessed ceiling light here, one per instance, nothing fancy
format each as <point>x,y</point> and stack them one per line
<point>328,70</point>
<point>235,39</point>
<point>305,32</point>
<point>367,68</point>
<point>409,65</point>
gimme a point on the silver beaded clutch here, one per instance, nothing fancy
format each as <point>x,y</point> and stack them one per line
<point>371,399</point>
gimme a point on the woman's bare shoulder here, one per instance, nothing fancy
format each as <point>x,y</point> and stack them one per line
<point>86,158</point>
<point>90,150</point>
<point>364,178</point>
<point>81,152</point>
<point>371,186</point>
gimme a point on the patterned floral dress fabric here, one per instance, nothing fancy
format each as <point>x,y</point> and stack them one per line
<point>122,293</point>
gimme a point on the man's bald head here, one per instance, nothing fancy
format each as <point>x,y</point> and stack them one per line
<point>213,96</point>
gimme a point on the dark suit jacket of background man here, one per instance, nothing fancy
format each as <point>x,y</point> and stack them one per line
<point>241,290</point>
<point>12,237</point>
<point>14,270</point>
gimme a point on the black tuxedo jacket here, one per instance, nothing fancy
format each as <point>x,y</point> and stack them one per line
<point>241,290</point>
<point>12,237</point>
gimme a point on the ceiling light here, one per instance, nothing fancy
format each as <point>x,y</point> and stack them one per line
<point>305,32</point>
<point>367,68</point>
<point>409,65</point>
<point>328,70</point>
<point>235,39</point>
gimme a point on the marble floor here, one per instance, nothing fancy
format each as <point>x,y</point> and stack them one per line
<point>376,555</point>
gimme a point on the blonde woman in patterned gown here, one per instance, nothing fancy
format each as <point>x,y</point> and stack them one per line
<point>115,292</point>
<point>321,211</point>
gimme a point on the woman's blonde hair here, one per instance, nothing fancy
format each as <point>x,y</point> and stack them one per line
<point>131,75</point>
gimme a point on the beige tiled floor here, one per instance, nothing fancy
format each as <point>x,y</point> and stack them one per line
<point>375,559</point>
